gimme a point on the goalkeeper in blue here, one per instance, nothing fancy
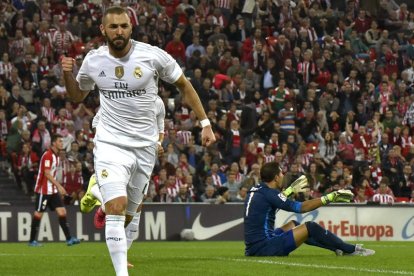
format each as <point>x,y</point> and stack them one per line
<point>265,199</point>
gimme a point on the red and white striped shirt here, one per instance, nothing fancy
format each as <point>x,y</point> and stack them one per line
<point>6,69</point>
<point>268,158</point>
<point>62,40</point>
<point>313,36</point>
<point>383,198</point>
<point>49,113</point>
<point>226,4</point>
<point>307,69</point>
<point>49,161</point>
<point>184,136</point>
<point>239,177</point>
<point>216,180</point>
<point>172,191</point>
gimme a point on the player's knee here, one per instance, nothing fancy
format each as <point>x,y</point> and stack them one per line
<point>116,207</point>
<point>312,227</point>
<point>61,212</point>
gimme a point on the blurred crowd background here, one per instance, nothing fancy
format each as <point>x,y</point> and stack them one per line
<point>325,88</point>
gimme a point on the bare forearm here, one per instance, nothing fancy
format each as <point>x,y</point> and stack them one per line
<point>190,97</point>
<point>53,180</point>
<point>311,204</point>
<point>72,88</point>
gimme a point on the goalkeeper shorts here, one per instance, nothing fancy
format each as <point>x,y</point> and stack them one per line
<point>280,244</point>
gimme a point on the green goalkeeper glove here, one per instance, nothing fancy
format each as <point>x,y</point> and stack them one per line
<point>337,196</point>
<point>300,185</point>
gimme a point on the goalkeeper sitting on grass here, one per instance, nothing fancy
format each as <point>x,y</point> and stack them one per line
<point>266,198</point>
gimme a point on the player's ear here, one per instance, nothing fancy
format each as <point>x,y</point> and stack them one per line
<point>102,28</point>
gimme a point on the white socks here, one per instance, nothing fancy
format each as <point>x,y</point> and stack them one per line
<point>132,230</point>
<point>97,194</point>
<point>116,242</point>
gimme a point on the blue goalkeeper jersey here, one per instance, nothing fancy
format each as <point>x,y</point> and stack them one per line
<point>260,209</point>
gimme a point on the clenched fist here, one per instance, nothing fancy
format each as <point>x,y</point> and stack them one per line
<point>67,64</point>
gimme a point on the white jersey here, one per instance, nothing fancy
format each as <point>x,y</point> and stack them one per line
<point>128,89</point>
<point>159,113</point>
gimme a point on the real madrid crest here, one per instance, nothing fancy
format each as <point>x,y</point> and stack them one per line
<point>137,72</point>
<point>119,71</point>
<point>104,173</point>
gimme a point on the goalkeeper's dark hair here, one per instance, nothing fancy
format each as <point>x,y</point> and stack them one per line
<point>113,10</point>
<point>269,171</point>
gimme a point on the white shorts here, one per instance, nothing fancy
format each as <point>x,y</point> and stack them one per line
<point>122,171</point>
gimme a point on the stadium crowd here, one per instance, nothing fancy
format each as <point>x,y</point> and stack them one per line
<point>325,88</point>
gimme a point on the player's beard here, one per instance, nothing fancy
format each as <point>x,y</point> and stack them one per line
<point>116,44</point>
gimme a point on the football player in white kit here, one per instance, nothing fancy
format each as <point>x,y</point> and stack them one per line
<point>126,73</point>
<point>93,196</point>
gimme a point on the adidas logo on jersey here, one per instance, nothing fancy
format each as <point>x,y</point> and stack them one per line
<point>102,74</point>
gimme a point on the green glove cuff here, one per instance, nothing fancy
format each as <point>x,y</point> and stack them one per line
<point>288,192</point>
<point>325,200</point>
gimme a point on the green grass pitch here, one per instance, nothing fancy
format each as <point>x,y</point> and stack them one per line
<point>201,258</point>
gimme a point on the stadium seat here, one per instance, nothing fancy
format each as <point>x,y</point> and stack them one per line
<point>402,199</point>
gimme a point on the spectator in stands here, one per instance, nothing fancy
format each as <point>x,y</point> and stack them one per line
<point>223,195</point>
<point>293,174</point>
<point>183,194</point>
<point>6,66</point>
<point>407,181</point>
<point>360,196</point>
<point>393,168</point>
<point>62,39</point>
<point>15,97</point>
<point>327,147</point>
<point>233,185</point>
<point>41,137</point>
<point>209,195</point>
<point>372,35</point>
<point>383,194</point>
<point>337,75</point>
<point>73,182</point>
<point>27,166</point>
<point>176,48</point>
<point>172,156</point>
<point>161,194</point>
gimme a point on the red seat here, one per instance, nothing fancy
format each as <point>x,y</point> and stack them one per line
<point>402,199</point>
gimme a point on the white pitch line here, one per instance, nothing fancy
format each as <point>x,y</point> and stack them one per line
<point>350,268</point>
<point>41,255</point>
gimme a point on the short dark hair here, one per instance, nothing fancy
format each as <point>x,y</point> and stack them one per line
<point>269,171</point>
<point>55,137</point>
<point>113,10</point>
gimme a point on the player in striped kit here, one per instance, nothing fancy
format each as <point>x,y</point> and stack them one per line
<point>126,73</point>
<point>48,193</point>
